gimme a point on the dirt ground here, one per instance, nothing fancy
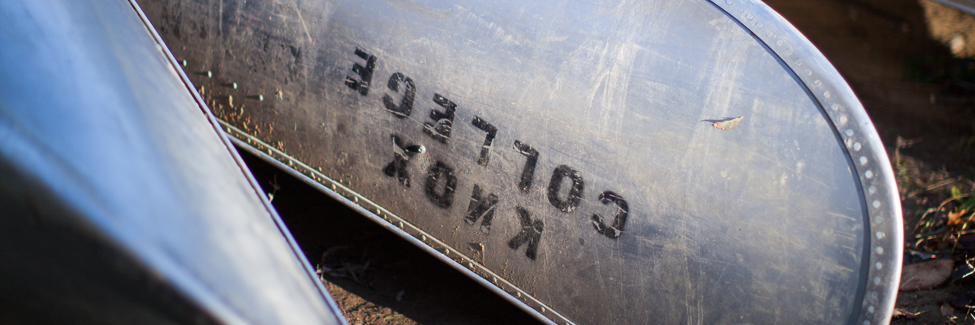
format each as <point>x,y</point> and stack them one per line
<point>902,67</point>
<point>374,275</point>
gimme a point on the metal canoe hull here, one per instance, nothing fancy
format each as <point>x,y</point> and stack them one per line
<point>674,161</point>
<point>122,202</point>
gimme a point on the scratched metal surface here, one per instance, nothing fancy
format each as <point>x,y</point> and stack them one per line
<point>567,153</point>
<point>121,201</point>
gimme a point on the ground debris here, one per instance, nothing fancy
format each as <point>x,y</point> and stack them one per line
<point>963,272</point>
<point>901,313</point>
<point>957,316</point>
<point>341,266</point>
<point>948,311</point>
<point>964,300</point>
<point>925,275</point>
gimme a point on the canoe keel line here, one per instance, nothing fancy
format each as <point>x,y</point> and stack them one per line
<point>681,161</point>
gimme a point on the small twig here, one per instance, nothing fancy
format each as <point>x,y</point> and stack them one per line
<point>931,234</point>
<point>941,183</point>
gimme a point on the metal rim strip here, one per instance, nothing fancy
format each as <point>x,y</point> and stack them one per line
<point>862,143</point>
<point>399,226</point>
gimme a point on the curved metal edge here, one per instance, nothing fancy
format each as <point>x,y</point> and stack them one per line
<point>862,143</point>
<point>205,110</point>
<point>399,226</point>
<point>968,6</point>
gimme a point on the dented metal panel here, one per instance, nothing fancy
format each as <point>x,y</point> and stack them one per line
<point>663,161</point>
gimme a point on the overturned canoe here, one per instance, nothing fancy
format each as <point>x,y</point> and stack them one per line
<point>666,161</point>
<point>121,201</point>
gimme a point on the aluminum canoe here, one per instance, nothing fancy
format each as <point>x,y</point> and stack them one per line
<point>680,161</point>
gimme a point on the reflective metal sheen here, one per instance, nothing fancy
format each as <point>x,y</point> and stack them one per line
<point>121,200</point>
<point>661,162</point>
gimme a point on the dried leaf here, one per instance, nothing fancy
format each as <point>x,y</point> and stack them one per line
<point>926,275</point>
<point>727,124</point>
<point>948,311</point>
<point>955,218</point>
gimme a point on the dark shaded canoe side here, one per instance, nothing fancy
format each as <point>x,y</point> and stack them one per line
<point>122,202</point>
